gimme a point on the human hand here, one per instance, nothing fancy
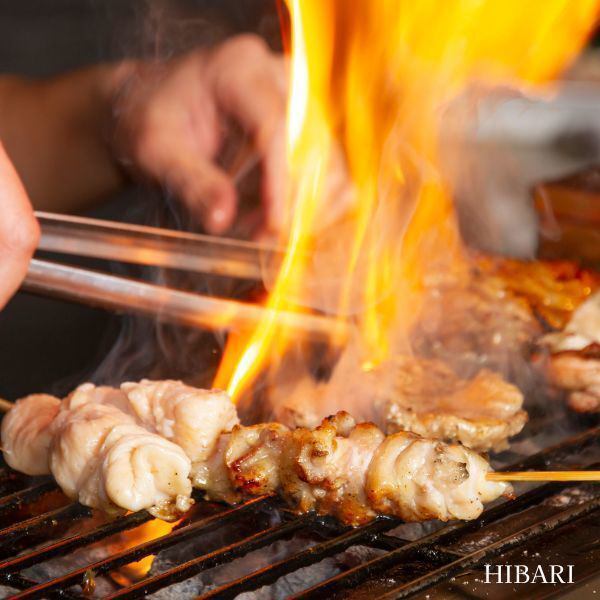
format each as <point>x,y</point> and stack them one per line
<point>19,230</point>
<point>172,123</point>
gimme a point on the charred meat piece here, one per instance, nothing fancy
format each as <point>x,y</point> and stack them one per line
<point>431,400</point>
<point>554,289</point>
<point>571,357</point>
<point>103,457</point>
<point>578,374</point>
<point>355,472</point>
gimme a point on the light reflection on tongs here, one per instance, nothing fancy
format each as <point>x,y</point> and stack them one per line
<point>166,248</point>
<point>139,244</point>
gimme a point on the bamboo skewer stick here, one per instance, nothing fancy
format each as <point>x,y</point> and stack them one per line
<point>5,405</point>
<point>543,476</point>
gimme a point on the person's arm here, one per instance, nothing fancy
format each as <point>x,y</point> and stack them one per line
<point>56,132</point>
<point>72,137</point>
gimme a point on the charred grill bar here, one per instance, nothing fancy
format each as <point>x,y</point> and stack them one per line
<point>30,536</point>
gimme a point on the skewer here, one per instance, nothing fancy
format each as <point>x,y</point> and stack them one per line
<point>543,476</point>
<point>6,405</point>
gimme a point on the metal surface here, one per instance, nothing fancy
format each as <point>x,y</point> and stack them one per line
<point>402,567</point>
<point>138,244</point>
<point>164,303</point>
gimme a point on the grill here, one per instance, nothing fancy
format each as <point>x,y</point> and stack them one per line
<point>38,524</point>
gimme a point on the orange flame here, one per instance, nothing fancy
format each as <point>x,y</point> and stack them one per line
<point>146,532</point>
<point>369,82</point>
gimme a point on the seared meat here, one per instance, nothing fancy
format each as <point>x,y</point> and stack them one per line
<point>430,400</point>
<point>554,289</point>
<point>97,454</point>
<point>190,417</point>
<point>252,457</point>
<point>353,472</point>
<point>26,433</point>
<point>475,323</point>
<point>578,373</point>
<point>417,479</point>
<point>103,457</point>
<point>325,469</point>
<point>573,360</point>
<point>490,318</point>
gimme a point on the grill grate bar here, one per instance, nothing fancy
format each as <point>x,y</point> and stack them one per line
<point>19,582</point>
<point>547,456</point>
<point>73,542</point>
<point>443,536</point>
<point>269,574</point>
<point>135,553</point>
<point>476,558</point>
<point>433,547</point>
<point>26,495</point>
<point>54,517</point>
<point>213,559</point>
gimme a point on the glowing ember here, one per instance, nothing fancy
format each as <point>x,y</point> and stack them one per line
<point>369,85</point>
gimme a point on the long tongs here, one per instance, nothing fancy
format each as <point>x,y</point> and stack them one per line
<point>143,245</point>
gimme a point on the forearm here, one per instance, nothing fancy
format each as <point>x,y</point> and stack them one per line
<point>57,132</point>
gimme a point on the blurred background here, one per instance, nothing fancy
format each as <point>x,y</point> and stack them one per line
<point>48,345</point>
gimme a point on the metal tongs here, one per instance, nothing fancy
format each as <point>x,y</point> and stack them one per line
<point>153,246</point>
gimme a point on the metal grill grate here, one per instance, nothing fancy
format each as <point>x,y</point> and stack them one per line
<point>34,518</point>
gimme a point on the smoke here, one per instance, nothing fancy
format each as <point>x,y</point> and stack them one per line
<point>157,31</point>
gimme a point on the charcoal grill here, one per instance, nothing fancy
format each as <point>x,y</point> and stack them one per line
<point>39,524</point>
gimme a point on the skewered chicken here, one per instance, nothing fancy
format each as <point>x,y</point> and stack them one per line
<point>26,435</point>
<point>190,417</point>
<point>352,471</point>
<point>475,323</point>
<point>412,394</point>
<point>554,289</point>
<point>97,454</point>
<point>573,363</point>
<point>101,456</point>
<point>430,400</point>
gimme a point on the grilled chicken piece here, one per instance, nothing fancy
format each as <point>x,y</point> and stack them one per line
<point>101,457</point>
<point>475,323</point>
<point>26,433</point>
<point>553,288</point>
<point>573,360</point>
<point>325,469</point>
<point>431,400</point>
<point>190,417</point>
<point>577,373</point>
<point>352,471</point>
<point>416,479</point>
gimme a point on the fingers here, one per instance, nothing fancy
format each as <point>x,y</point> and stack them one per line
<point>250,85</point>
<point>207,191</point>
<point>19,230</point>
